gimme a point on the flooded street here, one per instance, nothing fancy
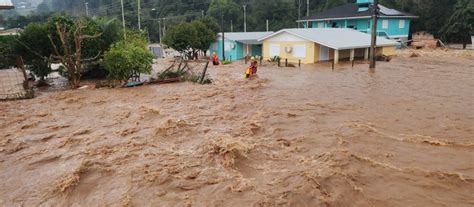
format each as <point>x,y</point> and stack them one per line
<point>403,135</point>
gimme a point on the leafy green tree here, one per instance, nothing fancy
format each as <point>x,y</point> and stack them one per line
<point>34,46</point>
<point>227,9</point>
<point>460,25</point>
<point>206,35</point>
<point>127,57</point>
<point>334,3</point>
<point>211,24</point>
<point>190,38</point>
<point>181,38</point>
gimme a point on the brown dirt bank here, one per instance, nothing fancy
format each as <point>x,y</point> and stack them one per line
<point>402,136</point>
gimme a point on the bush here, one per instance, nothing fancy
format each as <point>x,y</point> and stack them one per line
<point>126,58</point>
<point>226,62</point>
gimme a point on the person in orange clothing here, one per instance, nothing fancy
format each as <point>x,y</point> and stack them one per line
<point>215,59</point>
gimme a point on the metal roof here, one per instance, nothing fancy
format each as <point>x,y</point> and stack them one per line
<point>335,38</point>
<point>6,4</point>
<point>352,11</point>
<point>246,37</point>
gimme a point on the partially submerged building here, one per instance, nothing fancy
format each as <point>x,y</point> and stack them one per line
<point>237,45</point>
<point>392,24</point>
<point>312,45</point>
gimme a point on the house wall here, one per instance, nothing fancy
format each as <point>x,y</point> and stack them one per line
<point>365,25</point>
<point>256,50</point>
<point>235,53</point>
<point>285,40</point>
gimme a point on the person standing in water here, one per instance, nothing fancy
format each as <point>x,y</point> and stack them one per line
<point>252,70</point>
<point>215,59</point>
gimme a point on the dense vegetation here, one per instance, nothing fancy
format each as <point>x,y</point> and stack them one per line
<point>434,14</point>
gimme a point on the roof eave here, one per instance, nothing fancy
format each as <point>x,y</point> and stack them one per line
<point>5,7</point>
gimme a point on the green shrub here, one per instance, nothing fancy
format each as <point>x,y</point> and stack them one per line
<point>126,58</point>
<point>226,62</point>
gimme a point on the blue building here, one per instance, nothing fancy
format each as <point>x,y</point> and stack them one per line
<point>392,23</point>
<point>239,44</point>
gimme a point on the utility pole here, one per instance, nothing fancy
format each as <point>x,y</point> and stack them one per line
<point>373,45</point>
<point>267,25</point>
<point>223,39</point>
<point>139,16</point>
<point>87,8</point>
<point>161,37</point>
<point>299,11</point>
<point>231,26</point>
<point>307,8</point>
<point>245,17</point>
<point>164,26</point>
<point>202,13</point>
<point>123,22</point>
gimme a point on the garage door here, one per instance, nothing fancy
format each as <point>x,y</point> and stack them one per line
<point>274,50</point>
<point>323,53</point>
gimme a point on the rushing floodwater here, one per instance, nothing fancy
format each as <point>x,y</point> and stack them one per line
<point>402,136</point>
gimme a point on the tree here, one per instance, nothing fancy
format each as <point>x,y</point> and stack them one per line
<point>34,47</point>
<point>128,57</point>
<point>72,40</point>
<point>228,9</point>
<point>190,38</point>
<point>181,38</point>
<point>460,25</point>
<point>206,35</point>
<point>334,3</point>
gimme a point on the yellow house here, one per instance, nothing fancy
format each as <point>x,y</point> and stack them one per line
<point>322,44</point>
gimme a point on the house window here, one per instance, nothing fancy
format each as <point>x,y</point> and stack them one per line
<point>401,24</point>
<point>320,24</point>
<point>385,24</point>
<point>299,51</point>
<point>274,50</point>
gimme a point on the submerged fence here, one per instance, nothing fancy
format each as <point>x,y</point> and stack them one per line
<point>13,79</point>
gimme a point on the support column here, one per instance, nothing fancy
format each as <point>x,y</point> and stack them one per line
<point>352,55</point>
<point>366,54</point>
<point>336,56</point>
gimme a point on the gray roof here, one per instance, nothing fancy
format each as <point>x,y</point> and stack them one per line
<point>6,4</point>
<point>246,37</point>
<point>335,38</point>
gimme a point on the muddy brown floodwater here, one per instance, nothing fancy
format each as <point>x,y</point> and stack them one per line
<point>402,136</point>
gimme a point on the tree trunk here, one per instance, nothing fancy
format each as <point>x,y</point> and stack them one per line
<point>464,45</point>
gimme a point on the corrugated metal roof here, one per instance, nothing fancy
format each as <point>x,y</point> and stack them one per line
<point>246,37</point>
<point>6,4</point>
<point>335,38</point>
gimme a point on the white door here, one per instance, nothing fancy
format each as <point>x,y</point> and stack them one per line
<point>274,50</point>
<point>323,53</point>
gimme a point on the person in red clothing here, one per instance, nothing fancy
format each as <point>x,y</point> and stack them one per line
<point>252,69</point>
<point>215,59</point>
<point>253,66</point>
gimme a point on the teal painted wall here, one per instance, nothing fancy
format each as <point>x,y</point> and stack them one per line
<point>257,50</point>
<point>363,25</point>
<point>364,1</point>
<point>230,53</point>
